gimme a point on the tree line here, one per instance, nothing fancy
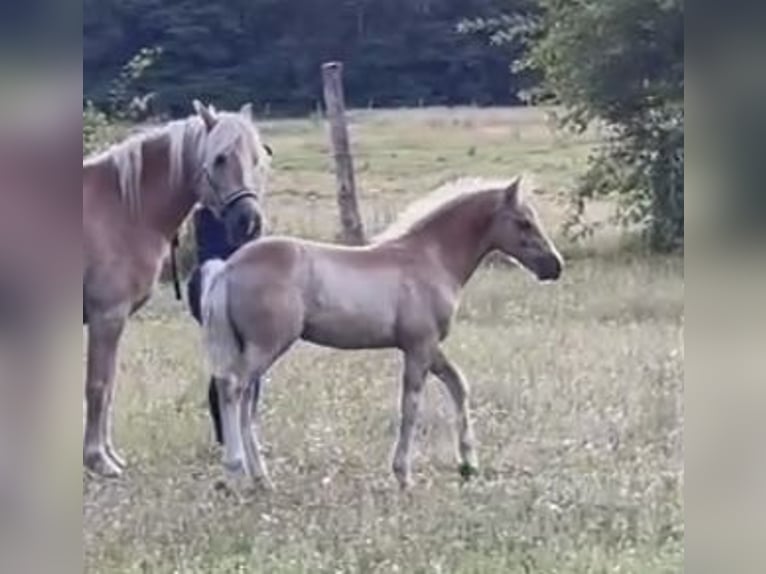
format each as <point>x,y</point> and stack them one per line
<point>397,52</point>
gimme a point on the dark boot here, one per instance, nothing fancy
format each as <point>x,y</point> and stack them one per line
<point>215,411</point>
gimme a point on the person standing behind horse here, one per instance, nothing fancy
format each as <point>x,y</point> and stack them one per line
<point>212,242</point>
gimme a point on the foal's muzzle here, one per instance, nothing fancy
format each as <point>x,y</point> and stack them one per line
<point>243,221</point>
<point>548,267</point>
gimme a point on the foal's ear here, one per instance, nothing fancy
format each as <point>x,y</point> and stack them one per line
<point>207,114</point>
<point>512,192</point>
<point>269,150</point>
<point>247,111</point>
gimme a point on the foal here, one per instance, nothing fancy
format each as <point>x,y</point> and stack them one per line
<point>400,292</point>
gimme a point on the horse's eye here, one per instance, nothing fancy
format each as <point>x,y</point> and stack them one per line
<point>220,160</point>
<point>525,225</point>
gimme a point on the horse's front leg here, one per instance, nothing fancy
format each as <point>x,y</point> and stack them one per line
<point>457,386</point>
<point>416,366</point>
<point>104,334</point>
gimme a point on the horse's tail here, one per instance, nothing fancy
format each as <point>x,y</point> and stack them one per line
<point>222,342</point>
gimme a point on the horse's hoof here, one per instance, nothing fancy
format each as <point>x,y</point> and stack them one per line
<point>116,458</point>
<point>99,463</point>
<point>468,471</point>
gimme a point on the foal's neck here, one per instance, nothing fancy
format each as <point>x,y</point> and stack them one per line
<point>459,236</point>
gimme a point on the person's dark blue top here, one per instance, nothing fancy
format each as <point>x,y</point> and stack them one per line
<point>212,243</point>
<point>210,236</point>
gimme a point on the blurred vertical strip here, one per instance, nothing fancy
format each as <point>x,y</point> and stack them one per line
<point>40,260</point>
<point>726,320</point>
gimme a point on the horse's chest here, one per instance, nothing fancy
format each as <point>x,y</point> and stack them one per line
<point>123,275</point>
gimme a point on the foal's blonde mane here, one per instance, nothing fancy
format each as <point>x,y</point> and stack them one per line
<point>185,137</point>
<point>435,203</point>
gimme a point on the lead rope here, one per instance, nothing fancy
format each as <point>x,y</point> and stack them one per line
<point>174,266</point>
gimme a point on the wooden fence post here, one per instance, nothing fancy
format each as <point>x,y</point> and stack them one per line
<point>351,222</point>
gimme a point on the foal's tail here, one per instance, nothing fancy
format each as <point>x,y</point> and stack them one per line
<point>222,342</point>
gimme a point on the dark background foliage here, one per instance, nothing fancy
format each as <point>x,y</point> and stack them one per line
<point>397,52</point>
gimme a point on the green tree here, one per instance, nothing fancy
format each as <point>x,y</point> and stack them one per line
<point>397,52</point>
<point>620,62</point>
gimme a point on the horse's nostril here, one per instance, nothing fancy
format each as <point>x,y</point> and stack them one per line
<point>257,226</point>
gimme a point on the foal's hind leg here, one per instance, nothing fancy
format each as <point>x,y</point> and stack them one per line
<point>256,466</point>
<point>229,391</point>
<point>457,386</point>
<point>103,337</point>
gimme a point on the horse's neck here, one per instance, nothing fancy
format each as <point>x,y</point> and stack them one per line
<point>459,237</point>
<point>167,202</point>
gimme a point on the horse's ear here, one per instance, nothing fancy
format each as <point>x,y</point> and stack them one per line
<point>247,111</point>
<point>207,114</point>
<point>512,192</point>
<point>268,149</point>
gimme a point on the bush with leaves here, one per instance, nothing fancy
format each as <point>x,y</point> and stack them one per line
<point>618,62</point>
<point>96,129</point>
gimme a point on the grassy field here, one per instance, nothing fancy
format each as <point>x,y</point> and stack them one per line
<point>577,398</point>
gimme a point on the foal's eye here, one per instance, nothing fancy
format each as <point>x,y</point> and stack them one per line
<point>525,225</point>
<point>220,160</point>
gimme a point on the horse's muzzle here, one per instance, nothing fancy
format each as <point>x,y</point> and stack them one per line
<point>549,268</point>
<point>243,221</point>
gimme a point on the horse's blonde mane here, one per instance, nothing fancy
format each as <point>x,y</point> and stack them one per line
<point>425,209</point>
<point>186,136</point>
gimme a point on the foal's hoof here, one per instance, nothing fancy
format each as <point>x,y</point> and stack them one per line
<point>234,468</point>
<point>99,463</point>
<point>263,484</point>
<point>467,471</point>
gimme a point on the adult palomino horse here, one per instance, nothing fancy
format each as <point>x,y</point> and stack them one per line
<point>135,197</point>
<point>400,292</point>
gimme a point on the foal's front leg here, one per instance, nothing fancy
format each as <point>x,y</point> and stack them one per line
<point>416,365</point>
<point>457,386</point>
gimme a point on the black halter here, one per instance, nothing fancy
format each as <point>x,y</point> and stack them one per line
<point>227,202</point>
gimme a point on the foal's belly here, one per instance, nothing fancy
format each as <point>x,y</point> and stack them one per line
<point>353,322</point>
<point>344,337</point>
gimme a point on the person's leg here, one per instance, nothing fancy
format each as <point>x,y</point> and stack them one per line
<point>194,294</point>
<point>215,410</point>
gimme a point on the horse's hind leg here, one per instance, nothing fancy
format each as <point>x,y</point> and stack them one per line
<point>103,337</point>
<point>457,386</point>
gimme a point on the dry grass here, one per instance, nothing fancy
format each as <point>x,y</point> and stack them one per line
<point>577,400</point>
